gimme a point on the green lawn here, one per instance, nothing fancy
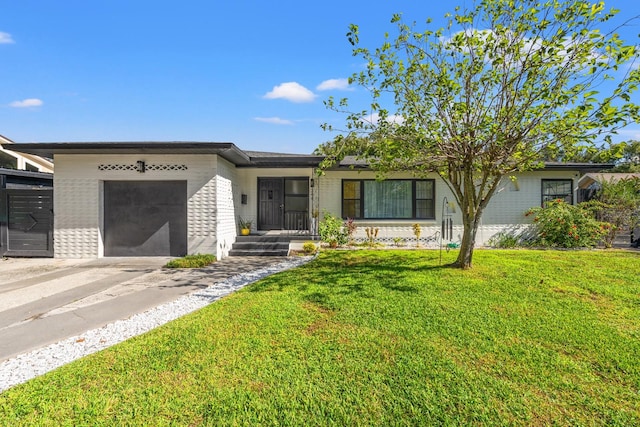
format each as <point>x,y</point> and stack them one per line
<point>377,338</point>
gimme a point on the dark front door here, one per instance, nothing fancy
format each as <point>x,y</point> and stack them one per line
<point>26,223</point>
<point>270,203</point>
<point>145,218</point>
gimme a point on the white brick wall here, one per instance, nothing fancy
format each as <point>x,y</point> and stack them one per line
<point>226,220</point>
<point>505,211</point>
<point>78,209</point>
<point>201,219</point>
<point>76,217</point>
<point>513,199</point>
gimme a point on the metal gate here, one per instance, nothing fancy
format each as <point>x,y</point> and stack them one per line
<point>26,223</point>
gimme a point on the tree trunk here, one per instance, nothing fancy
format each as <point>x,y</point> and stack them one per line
<point>472,204</point>
<point>470,220</point>
<point>467,245</point>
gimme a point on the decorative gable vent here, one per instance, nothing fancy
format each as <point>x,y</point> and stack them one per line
<point>166,167</point>
<point>136,167</point>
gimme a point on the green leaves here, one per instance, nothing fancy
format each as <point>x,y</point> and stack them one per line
<point>502,86</point>
<point>352,35</point>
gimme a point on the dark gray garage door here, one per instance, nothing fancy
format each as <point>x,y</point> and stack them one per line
<point>145,218</point>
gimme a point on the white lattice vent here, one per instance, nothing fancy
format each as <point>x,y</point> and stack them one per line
<point>137,167</point>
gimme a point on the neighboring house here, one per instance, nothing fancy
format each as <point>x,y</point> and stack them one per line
<point>174,198</point>
<point>589,183</point>
<point>10,159</point>
<point>588,186</point>
<point>26,203</point>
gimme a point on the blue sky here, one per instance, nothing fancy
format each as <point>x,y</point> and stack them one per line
<point>251,73</point>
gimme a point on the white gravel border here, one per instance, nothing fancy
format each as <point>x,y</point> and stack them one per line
<point>24,367</point>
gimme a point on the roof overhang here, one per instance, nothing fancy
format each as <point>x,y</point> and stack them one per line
<point>582,167</point>
<point>230,152</point>
<point>298,161</point>
<point>352,162</point>
<point>26,174</point>
<point>593,178</point>
<point>226,150</point>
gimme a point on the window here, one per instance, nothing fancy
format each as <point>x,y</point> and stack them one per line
<point>390,199</point>
<point>30,167</point>
<point>553,189</point>
<point>8,161</point>
<point>351,199</point>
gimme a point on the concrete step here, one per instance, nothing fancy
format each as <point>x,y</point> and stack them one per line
<point>259,252</point>
<point>260,245</point>
<point>261,238</point>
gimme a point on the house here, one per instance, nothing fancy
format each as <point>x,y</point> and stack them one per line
<point>26,203</point>
<point>10,159</point>
<point>589,183</point>
<point>176,198</point>
<point>588,186</point>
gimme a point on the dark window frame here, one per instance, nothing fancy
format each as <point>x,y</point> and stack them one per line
<point>545,198</point>
<point>361,200</point>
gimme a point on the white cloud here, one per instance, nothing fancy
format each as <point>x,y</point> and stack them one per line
<point>339,84</point>
<point>274,120</point>
<point>629,133</point>
<point>490,40</point>
<point>375,118</point>
<point>27,103</point>
<point>5,38</point>
<point>291,91</point>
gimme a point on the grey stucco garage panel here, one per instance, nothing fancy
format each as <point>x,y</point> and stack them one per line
<point>145,218</point>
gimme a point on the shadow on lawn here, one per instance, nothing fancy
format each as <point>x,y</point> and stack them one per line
<point>354,272</point>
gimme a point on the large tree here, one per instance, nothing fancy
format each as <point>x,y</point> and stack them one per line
<point>629,158</point>
<point>506,83</point>
<point>624,155</point>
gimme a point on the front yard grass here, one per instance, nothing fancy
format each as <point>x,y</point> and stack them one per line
<point>192,261</point>
<point>376,338</point>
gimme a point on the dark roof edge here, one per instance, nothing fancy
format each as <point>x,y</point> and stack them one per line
<point>227,150</point>
<point>359,164</point>
<point>582,167</point>
<point>26,174</point>
<point>295,161</point>
<point>230,152</point>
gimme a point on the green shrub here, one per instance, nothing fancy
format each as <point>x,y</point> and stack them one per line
<point>399,241</point>
<point>309,248</point>
<point>192,261</point>
<point>417,230</point>
<point>372,235</point>
<point>562,225</point>
<point>618,203</point>
<point>331,230</point>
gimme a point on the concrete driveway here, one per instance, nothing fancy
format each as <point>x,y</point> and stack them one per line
<point>43,301</point>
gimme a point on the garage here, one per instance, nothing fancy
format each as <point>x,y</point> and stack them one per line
<point>145,218</point>
<point>121,199</point>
